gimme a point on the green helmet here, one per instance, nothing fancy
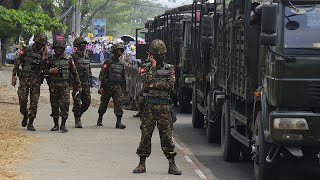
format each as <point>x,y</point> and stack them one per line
<point>59,43</point>
<point>157,46</point>
<point>117,46</point>
<point>78,41</point>
<point>40,38</point>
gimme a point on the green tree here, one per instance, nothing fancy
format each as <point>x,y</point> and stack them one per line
<point>16,23</point>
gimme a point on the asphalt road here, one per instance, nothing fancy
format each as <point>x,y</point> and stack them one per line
<point>209,157</point>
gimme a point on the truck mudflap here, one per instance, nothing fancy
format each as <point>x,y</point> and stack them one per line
<point>294,128</point>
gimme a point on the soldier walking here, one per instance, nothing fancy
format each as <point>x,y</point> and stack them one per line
<point>59,67</point>
<point>31,59</point>
<point>113,84</point>
<point>160,79</point>
<point>81,101</point>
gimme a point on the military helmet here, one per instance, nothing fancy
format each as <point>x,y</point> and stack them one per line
<point>59,43</point>
<point>117,46</point>
<point>78,41</point>
<point>40,38</point>
<point>157,46</point>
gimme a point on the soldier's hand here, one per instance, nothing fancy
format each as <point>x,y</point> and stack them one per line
<point>53,71</point>
<point>79,89</point>
<point>14,81</point>
<point>153,61</point>
<point>100,91</point>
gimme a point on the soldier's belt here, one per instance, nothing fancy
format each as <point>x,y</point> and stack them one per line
<point>157,101</point>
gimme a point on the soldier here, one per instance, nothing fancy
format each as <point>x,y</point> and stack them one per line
<point>160,78</point>
<point>82,62</point>
<point>31,59</point>
<point>113,84</point>
<point>59,67</point>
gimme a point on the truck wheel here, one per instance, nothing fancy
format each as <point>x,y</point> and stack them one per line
<point>184,104</point>
<point>262,169</point>
<point>197,116</point>
<point>230,147</point>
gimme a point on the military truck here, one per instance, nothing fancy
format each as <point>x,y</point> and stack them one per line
<point>174,28</point>
<point>263,81</point>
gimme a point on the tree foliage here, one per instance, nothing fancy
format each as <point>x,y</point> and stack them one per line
<point>25,22</point>
<point>122,16</point>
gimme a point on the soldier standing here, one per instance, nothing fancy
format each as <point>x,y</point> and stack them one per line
<point>113,84</point>
<point>31,59</point>
<point>81,101</point>
<point>160,79</point>
<point>59,67</point>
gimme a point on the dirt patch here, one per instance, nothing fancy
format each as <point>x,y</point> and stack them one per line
<point>13,142</point>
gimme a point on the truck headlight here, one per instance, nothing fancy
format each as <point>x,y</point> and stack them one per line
<point>189,79</point>
<point>290,123</point>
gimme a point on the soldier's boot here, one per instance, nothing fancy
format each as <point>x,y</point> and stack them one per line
<point>99,122</point>
<point>56,124</point>
<point>78,123</point>
<point>119,125</point>
<point>63,128</point>
<point>138,114</point>
<point>141,168</point>
<point>24,121</point>
<point>173,169</point>
<point>30,125</point>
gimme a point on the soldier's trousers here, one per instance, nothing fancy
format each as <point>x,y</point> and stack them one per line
<point>29,86</point>
<point>156,115</point>
<point>60,99</point>
<point>81,101</point>
<point>114,91</point>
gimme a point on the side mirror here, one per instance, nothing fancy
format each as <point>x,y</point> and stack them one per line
<point>269,24</point>
<point>178,29</point>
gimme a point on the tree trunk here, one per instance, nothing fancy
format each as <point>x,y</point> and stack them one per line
<point>3,51</point>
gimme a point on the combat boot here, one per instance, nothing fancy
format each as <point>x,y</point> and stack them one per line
<point>78,123</point>
<point>30,125</point>
<point>63,128</point>
<point>173,169</point>
<point>141,168</point>
<point>24,121</point>
<point>138,114</point>
<point>56,124</point>
<point>99,122</point>
<point>119,125</point>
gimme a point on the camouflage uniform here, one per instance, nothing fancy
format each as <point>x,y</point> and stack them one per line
<point>83,100</point>
<point>157,111</point>
<point>59,86</point>
<point>31,78</point>
<point>113,83</point>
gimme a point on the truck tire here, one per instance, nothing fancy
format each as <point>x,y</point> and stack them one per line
<point>262,169</point>
<point>214,123</point>
<point>184,104</point>
<point>230,147</point>
<point>197,116</point>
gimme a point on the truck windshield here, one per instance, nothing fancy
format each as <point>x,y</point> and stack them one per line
<point>302,27</point>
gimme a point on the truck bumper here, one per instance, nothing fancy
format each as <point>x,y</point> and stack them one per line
<point>294,128</point>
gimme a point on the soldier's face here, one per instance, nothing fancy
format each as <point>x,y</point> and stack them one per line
<point>118,52</point>
<point>82,46</point>
<point>58,51</point>
<point>38,46</point>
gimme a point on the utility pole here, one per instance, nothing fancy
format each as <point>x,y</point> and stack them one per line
<point>73,19</point>
<point>78,17</point>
